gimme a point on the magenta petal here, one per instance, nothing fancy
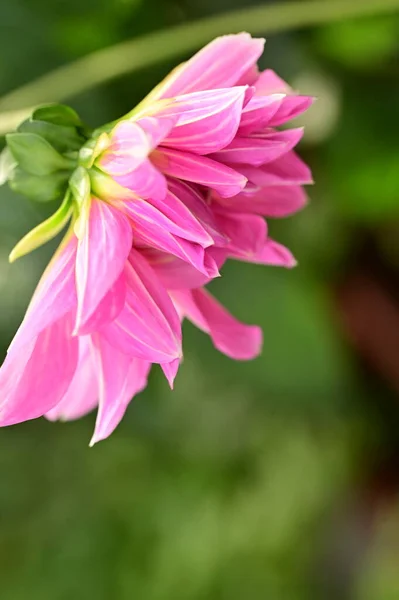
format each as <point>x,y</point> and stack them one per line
<point>109,307</point>
<point>200,169</point>
<point>289,169</point>
<point>207,121</point>
<point>33,381</point>
<point>54,296</point>
<point>280,201</point>
<point>154,229</point>
<point>186,223</point>
<point>81,396</point>
<point>259,149</point>
<point>148,327</point>
<point>170,370</point>
<point>173,272</point>
<point>157,128</point>
<point>219,65</point>
<point>146,181</point>
<point>195,202</point>
<point>101,256</point>
<point>275,254</point>
<point>259,112</point>
<point>236,340</point>
<point>247,233</point>
<point>121,377</point>
<point>129,147</point>
<point>291,107</point>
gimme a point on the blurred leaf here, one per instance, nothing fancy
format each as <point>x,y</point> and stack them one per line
<point>39,188</point>
<point>361,43</point>
<point>35,155</point>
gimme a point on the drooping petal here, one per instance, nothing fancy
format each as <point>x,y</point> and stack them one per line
<point>154,229</point>
<point>33,381</point>
<point>259,112</point>
<point>170,370</point>
<point>81,396</point>
<point>247,233</point>
<point>199,169</point>
<point>275,254</point>
<point>291,106</point>
<point>277,202</point>
<point>101,256</point>
<point>173,272</point>
<point>195,202</point>
<point>219,65</point>
<point>236,340</point>
<point>148,327</point>
<point>206,121</point>
<point>55,296</point>
<point>120,378</point>
<point>259,149</point>
<point>108,309</point>
<point>289,169</point>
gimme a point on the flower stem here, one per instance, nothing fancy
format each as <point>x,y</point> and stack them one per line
<point>106,64</point>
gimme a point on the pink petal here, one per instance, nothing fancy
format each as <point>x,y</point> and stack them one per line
<point>146,181</point>
<point>108,309</point>
<point>199,169</point>
<point>195,202</point>
<point>32,382</point>
<point>275,254</point>
<point>170,370</point>
<point>81,396</point>
<point>129,147</point>
<point>157,128</point>
<point>290,108</point>
<point>247,233</point>
<point>236,340</point>
<point>219,65</point>
<point>186,223</point>
<point>152,228</point>
<point>280,201</point>
<point>260,149</point>
<point>55,295</point>
<point>148,327</point>
<point>101,256</point>
<point>121,377</point>
<point>292,105</point>
<point>289,169</point>
<point>207,121</point>
<point>173,272</point>
<point>259,112</point>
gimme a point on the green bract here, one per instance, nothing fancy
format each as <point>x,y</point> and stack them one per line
<point>42,154</point>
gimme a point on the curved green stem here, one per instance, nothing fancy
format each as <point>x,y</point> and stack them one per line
<point>104,65</point>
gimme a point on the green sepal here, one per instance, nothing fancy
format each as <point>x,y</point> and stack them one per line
<point>62,138</point>
<point>43,188</point>
<point>35,155</point>
<point>44,232</point>
<point>58,114</point>
<point>80,186</point>
<point>92,150</point>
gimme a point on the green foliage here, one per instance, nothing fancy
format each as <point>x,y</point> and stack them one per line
<point>35,155</point>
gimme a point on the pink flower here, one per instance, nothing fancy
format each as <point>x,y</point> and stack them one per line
<point>166,197</point>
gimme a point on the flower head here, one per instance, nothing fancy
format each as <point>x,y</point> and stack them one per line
<point>156,203</point>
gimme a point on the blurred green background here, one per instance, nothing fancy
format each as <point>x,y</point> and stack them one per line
<point>276,479</point>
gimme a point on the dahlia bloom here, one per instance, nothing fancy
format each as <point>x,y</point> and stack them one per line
<point>157,202</point>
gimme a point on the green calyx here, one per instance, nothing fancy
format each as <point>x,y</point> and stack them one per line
<point>42,161</point>
<point>43,153</point>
